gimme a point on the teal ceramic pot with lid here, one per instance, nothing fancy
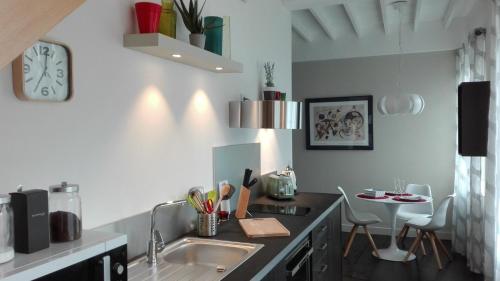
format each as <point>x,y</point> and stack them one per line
<point>213,33</point>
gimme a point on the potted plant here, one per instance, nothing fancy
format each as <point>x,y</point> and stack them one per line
<point>269,89</point>
<point>193,21</point>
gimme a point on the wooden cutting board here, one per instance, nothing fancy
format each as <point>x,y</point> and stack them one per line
<point>263,227</point>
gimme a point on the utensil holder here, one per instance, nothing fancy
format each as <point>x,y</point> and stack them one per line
<point>207,224</point>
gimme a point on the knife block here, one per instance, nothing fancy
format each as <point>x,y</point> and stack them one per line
<point>241,210</point>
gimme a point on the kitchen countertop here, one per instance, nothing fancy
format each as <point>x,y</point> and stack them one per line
<point>60,255</point>
<point>277,248</point>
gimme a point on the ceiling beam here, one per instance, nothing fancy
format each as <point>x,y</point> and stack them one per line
<point>383,15</point>
<point>301,30</point>
<point>321,19</point>
<point>450,12</point>
<point>294,5</point>
<point>350,14</point>
<point>417,13</point>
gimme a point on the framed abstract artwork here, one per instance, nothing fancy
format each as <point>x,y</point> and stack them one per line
<point>339,123</point>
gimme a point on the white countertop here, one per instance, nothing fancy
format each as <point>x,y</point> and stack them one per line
<point>60,255</point>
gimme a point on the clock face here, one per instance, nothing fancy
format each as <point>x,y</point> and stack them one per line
<point>46,72</point>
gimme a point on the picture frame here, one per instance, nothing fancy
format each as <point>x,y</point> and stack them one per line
<point>339,123</point>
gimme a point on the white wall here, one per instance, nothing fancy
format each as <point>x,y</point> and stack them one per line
<point>140,130</point>
<point>418,149</point>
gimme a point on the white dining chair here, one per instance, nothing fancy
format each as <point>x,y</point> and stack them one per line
<point>428,227</point>
<point>358,219</point>
<point>412,211</point>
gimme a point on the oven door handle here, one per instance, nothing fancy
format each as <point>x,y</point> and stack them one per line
<point>106,268</point>
<point>299,265</point>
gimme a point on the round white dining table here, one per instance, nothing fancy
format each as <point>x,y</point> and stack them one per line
<point>393,253</point>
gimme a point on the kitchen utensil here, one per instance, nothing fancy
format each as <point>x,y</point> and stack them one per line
<point>195,195</point>
<point>280,187</point>
<point>209,206</point>
<point>225,205</point>
<point>243,199</point>
<point>246,177</point>
<point>6,229</point>
<point>223,195</point>
<point>263,227</point>
<point>231,192</point>
<point>212,195</point>
<point>207,224</point>
<point>198,202</point>
<point>252,182</point>
<point>193,204</point>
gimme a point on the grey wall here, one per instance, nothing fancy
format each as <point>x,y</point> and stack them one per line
<point>419,149</point>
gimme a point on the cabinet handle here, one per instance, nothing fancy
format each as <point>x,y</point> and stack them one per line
<point>323,229</point>
<point>323,268</point>
<point>323,247</point>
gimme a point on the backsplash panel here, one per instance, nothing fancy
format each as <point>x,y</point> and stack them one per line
<point>230,163</point>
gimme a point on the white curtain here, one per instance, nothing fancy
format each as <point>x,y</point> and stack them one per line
<point>468,223</point>
<point>492,197</point>
<point>476,216</point>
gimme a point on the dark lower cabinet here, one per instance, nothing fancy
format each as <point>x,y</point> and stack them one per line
<point>326,259</point>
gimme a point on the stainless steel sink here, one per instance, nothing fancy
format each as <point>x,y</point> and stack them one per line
<point>191,259</point>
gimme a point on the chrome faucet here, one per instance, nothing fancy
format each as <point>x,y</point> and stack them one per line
<point>156,243</point>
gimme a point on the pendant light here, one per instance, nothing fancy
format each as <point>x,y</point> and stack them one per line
<point>402,103</point>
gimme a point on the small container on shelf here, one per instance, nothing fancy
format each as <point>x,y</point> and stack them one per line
<point>65,213</point>
<point>168,19</point>
<point>148,16</point>
<point>6,229</point>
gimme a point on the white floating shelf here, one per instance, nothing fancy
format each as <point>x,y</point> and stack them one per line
<point>162,46</point>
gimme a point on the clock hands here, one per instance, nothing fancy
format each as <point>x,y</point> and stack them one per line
<point>39,80</point>
<point>43,74</point>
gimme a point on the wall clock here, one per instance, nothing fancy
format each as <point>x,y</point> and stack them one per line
<point>43,73</point>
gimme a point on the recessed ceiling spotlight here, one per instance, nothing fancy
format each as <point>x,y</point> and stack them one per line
<point>218,68</point>
<point>176,56</point>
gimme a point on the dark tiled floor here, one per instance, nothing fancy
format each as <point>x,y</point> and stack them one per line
<point>360,265</point>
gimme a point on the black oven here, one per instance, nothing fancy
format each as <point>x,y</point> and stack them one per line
<point>298,263</point>
<point>109,266</point>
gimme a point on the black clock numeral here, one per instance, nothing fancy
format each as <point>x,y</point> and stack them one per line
<point>28,57</point>
<point>26,68</point>
<point>53,90</point>
<point>29,80</point>
<point>44,51</point>
<point>60,84</point>
<point>60,73</point>
<point>34,50</point>
<point>45,91</point>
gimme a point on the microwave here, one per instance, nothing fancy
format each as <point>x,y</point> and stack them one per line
<point>109,266</point>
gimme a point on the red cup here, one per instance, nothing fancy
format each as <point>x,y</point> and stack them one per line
<point>148,16</point>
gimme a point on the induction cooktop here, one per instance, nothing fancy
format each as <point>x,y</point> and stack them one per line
<point>290,210</point>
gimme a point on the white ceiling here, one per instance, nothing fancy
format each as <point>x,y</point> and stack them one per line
<point>335,19</point>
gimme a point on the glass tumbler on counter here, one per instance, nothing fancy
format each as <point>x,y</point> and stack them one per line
<point>6,229</point>
<point>65,213</point>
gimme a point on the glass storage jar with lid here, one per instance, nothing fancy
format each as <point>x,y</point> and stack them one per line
<point>6,229</point>
<point>65,213</point>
